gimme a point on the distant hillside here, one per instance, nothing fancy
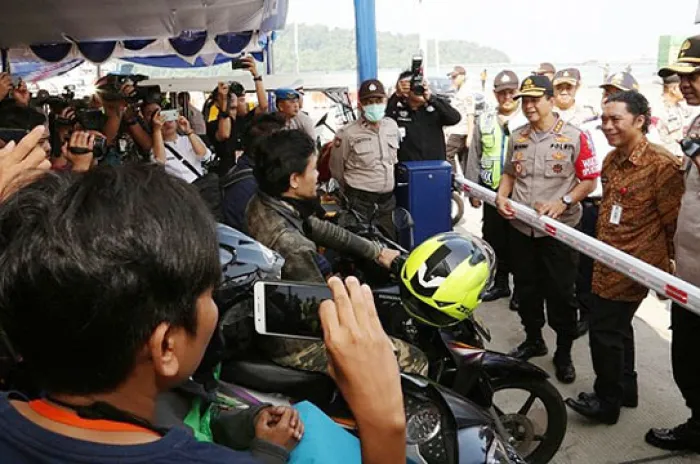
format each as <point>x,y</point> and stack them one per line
<point>324,49</point>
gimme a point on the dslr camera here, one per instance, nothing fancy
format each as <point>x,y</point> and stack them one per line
<point>111,88</point>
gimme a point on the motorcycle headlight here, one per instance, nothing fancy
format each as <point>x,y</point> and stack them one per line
<point>423,425</point>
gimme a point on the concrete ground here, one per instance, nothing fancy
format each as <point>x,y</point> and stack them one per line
<point>660,405</point>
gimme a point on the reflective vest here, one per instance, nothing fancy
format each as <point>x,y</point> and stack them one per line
<point>494,144</point>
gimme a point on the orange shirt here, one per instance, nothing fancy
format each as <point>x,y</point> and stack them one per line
<point>647,186</point>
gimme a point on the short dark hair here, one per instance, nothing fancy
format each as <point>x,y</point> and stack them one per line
<point>636,103</point>
<point>14,116</point>
<point>404,75</point>
<point>92,263</point>
<point>280,155</point>
<point>262,125</point>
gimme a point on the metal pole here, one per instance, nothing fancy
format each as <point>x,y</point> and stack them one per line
<point>422,36</point>
<point>662,283</point>
<point>296,46</point>
<point>366,40</point>
<point>5,59</point>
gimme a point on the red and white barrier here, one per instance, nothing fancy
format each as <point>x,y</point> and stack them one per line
<point>662,283</point>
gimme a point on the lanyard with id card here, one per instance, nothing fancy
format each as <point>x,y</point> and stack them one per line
<point>616,215</point>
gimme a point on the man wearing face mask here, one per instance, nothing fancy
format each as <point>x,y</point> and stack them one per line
<point>364,155</point>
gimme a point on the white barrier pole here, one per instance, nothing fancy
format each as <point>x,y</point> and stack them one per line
<point>662,283</point>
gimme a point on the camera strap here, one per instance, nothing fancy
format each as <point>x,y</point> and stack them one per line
<point>187,164</point>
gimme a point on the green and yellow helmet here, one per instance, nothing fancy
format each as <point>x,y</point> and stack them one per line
<point>443,279</point>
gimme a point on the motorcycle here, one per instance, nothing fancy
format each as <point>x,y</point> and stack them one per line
<point>517,394</point>
<point>442,426</point>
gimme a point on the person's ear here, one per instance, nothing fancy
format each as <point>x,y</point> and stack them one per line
<point>294,181</point>
<point>639,121</point>
<point>163,347</point>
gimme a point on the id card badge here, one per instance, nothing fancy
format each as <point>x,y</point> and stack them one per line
<point>402,133</point>
<point>122,146</point>
<point>616,215</point>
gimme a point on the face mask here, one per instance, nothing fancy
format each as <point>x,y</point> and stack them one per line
<point>375,113</point>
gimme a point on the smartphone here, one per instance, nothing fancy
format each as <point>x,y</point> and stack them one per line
<point>170,115</point>
<point>238,63</point>
<point>12,135</point>
<point>290,310</point>
<point>15,81</point>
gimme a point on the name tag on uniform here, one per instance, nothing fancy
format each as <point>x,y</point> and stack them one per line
<point>616,215</point>
<point>402,133</point>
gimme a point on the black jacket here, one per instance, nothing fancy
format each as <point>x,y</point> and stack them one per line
<point>422,132</point>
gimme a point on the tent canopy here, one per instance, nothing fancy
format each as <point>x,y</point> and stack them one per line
<point>34,22</point>
<point>179,33</point>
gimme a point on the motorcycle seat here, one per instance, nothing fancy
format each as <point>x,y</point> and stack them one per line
<point>268,377</point>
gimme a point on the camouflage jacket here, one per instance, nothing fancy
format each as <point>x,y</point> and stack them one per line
<point>278,226</point>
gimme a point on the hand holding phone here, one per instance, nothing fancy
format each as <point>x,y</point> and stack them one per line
<point>170,115</point>
<point>289,310</point>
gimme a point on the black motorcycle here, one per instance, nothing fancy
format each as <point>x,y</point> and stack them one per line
<point>442,426</point>
<point>525,406</point>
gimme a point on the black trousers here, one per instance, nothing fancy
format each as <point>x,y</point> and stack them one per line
<point>584,295</point>
<point>612,349</point>
<point>685,347</point>
<point>365,204</point>
<point>496,230</point>
<point>545,271</point>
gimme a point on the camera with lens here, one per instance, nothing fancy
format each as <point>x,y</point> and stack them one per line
<point>111,88</point>
<point>417,78</point>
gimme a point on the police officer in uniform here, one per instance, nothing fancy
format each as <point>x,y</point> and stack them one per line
<point>364,155</point>
<point>670,120</point>
<point>550,167</point>
<point>485,166</point>
<point>684,323</point>
<point>566,85</point>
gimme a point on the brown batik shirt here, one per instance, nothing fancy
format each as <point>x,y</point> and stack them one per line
<point>647,186</point>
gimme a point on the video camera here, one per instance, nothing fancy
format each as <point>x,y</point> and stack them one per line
<point>111,88</point>
<point>417,77</point>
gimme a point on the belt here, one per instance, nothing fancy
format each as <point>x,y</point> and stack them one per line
<point>595,201</point>
<point>372,197</point>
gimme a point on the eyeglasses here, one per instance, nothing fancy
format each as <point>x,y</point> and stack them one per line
<point>691,147</point>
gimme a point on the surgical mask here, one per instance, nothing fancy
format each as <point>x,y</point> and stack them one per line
<point>375,113</point>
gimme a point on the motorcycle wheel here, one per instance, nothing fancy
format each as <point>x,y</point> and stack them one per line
<point>457,208</point>
<point>522,428</point>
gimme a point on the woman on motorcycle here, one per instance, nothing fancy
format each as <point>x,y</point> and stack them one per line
<point>283,217</point>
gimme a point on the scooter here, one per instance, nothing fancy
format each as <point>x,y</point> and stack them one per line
<point>532,413</point>
<point>442,426</point>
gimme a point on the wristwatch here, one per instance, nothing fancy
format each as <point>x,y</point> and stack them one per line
<point>257,78</point>
<point>567,200</point>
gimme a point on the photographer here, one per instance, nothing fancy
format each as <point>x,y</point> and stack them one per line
<point>76,153</point>
<point>181,155</point>
<point>230,119</point>
<point>421,118</point>
<point>19,92</point>
<point>123,128</point>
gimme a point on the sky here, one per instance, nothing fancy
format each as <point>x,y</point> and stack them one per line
<point>529,31</point>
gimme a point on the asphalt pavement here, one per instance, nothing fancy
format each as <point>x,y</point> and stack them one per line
<point>660,402</point>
